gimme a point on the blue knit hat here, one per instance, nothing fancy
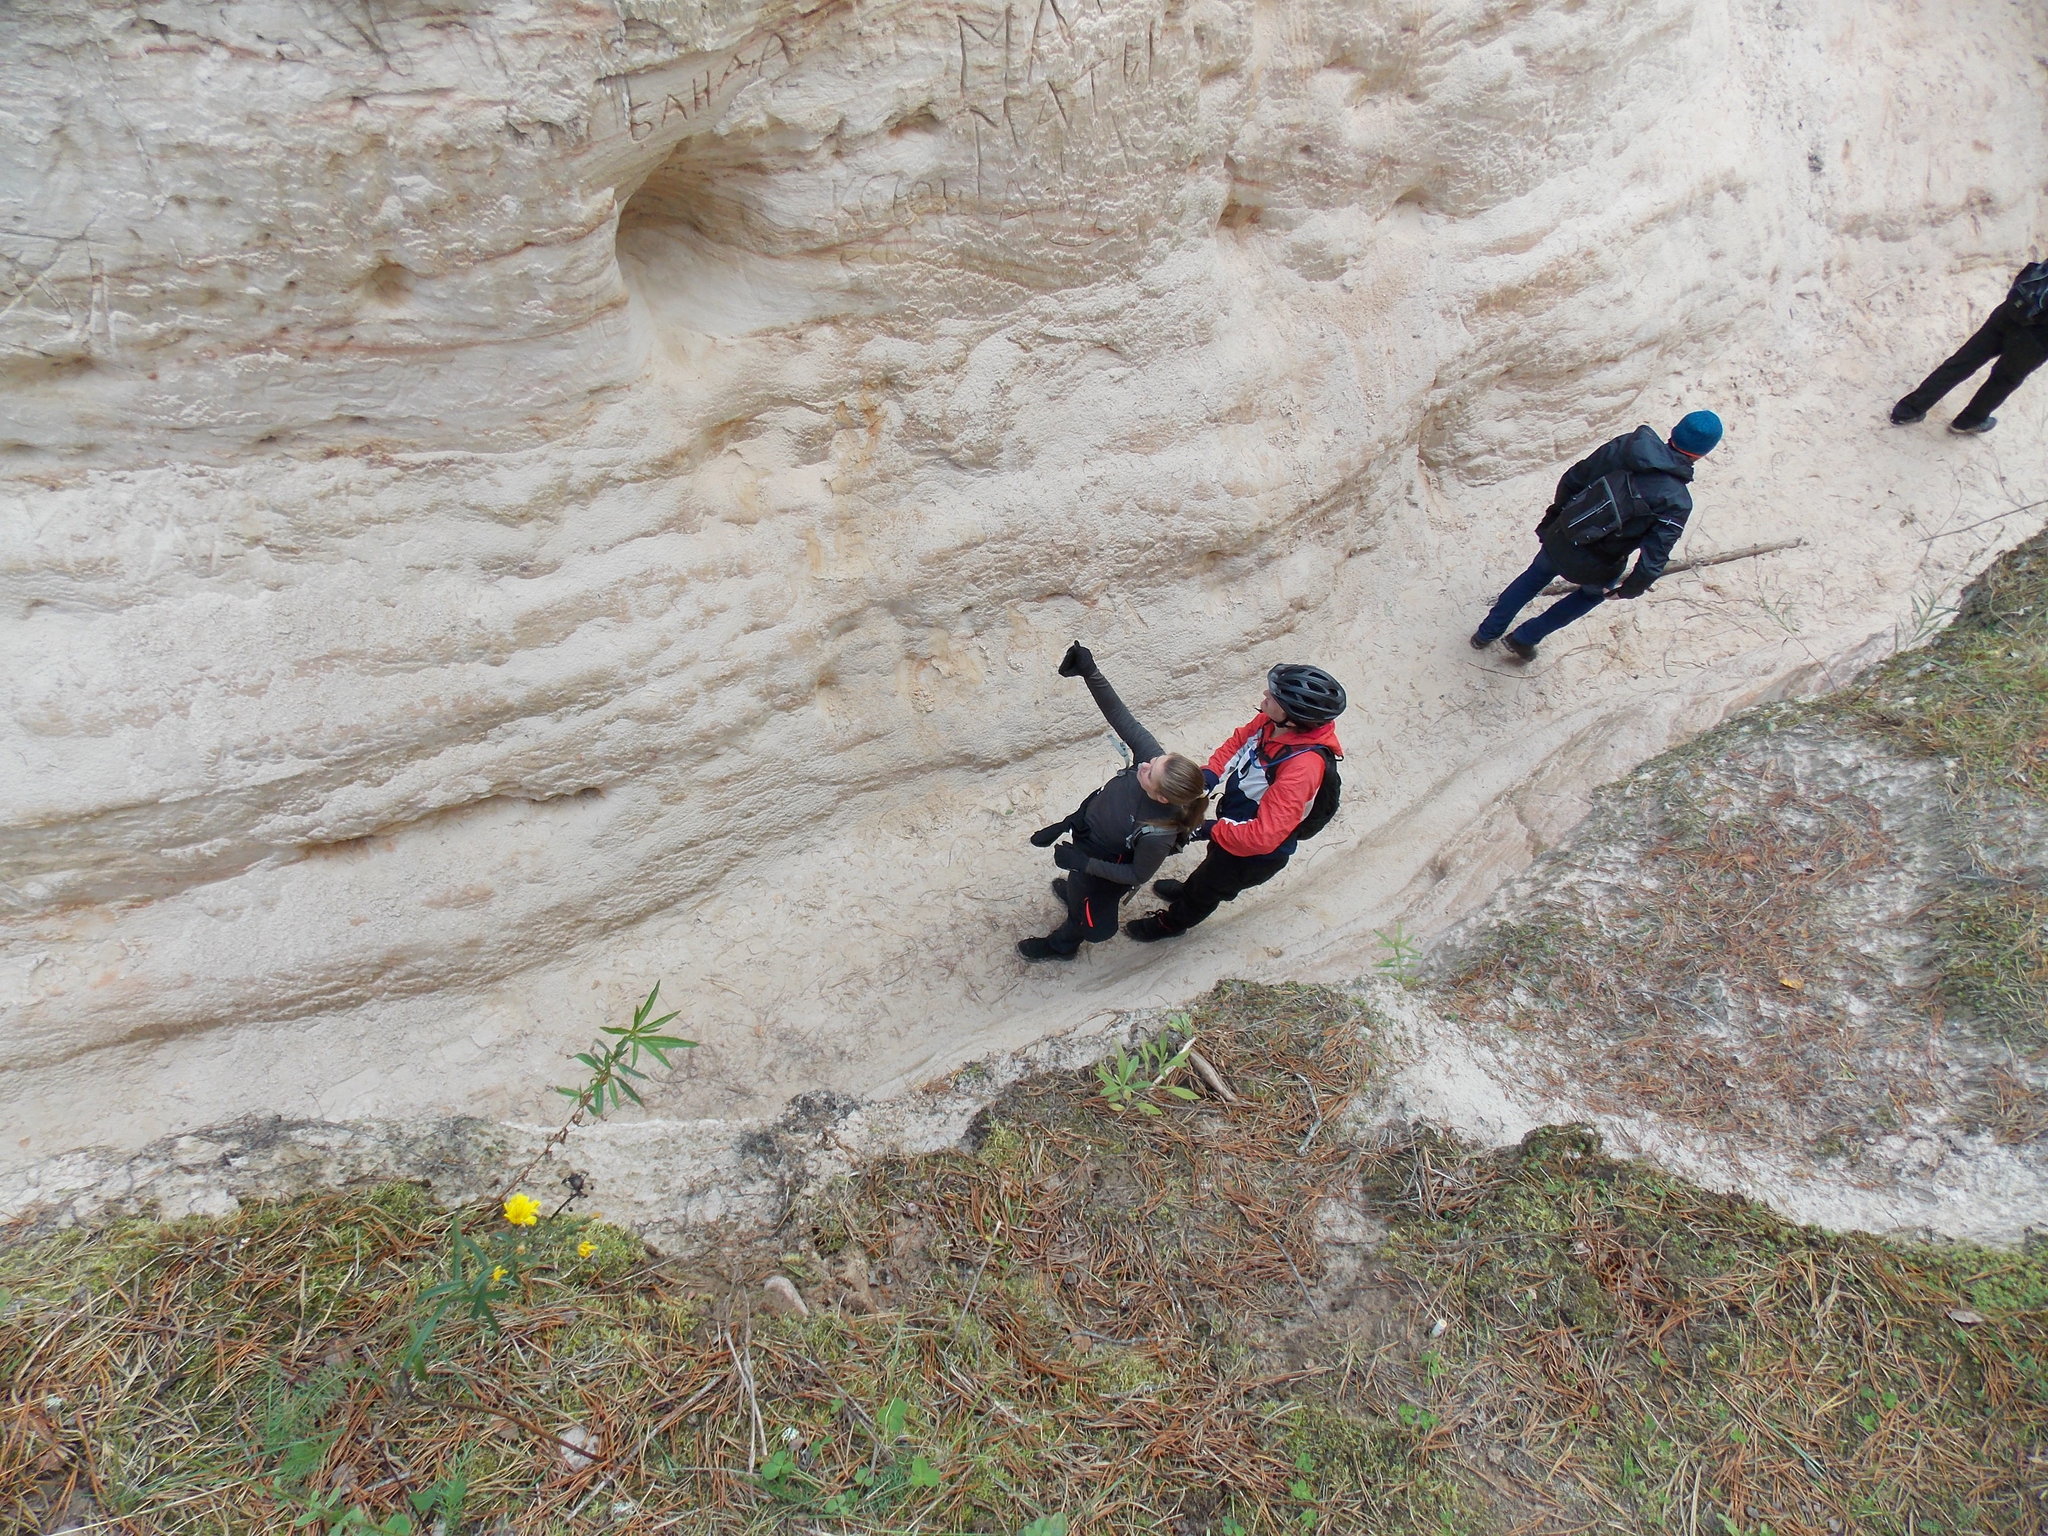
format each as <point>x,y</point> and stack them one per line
<point>1696,432</point>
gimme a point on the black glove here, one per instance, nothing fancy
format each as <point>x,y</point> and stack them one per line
<point>1635,586</point>
<point>1045,837</point>
<point>1201,833</point>
<point>1067,856</point>
<point>1078,662</point>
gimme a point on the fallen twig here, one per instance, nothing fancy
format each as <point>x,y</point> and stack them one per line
<point>1212,1077</point>
<point>1314,1104</point>
<point>1983,522</point>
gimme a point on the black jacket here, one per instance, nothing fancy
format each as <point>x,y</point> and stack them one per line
<point>1660,475</point>
<point>1122,829</point>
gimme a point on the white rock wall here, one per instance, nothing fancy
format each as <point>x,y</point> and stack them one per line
<point>509,503</point>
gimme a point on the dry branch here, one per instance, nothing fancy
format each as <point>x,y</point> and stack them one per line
<point>1747,552</point>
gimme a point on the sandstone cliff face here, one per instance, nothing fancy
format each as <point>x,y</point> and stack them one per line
<point>510,503</point>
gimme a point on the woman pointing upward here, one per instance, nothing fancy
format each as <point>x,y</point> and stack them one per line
<point>1123,832</point>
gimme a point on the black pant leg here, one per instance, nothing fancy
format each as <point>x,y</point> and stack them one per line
<point>1981,348</point>
<point>1220,877</point>
<point>1091,912</point>
<point>2023,349</point>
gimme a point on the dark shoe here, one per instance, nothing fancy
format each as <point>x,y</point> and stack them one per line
<point>1974,428</point>
<point>1168,889</point>
<point>1038,949</point>
<point>1517,651</point>
<point>1904,415</point>
<point>1480,642</point>
<point>1149,930</point>
<point>1059,888</point>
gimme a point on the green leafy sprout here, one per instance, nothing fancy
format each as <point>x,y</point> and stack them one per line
<point>1132,1077</point>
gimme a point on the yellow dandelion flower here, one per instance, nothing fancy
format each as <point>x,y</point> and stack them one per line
<point>585,1250</point>
<point>522,1210</point>
<point>498,1274</point>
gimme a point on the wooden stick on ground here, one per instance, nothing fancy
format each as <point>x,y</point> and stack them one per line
<point>1559,588</point>
<point>1212,1077</point>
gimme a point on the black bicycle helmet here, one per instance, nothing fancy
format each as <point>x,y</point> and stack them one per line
<point>1308,694</point>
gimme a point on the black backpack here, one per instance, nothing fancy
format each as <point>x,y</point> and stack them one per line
<point>1327,796</point>
<point>1607,515</point>
<point>2029,294</point>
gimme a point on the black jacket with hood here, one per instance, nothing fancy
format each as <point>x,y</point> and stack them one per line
<point>1660,475</point>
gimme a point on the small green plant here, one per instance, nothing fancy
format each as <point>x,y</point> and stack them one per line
<point>1303,1490</point>
<point>892,1474</point>
<point>1132,1077</point>
<point>780,1467</point>
<point>893,1421</point>
<point>1930,616</point>
<point>1046,1525</point>
<point>482,1274</point>
<point>328,1513</point>
<point>615,1067</point>
<point>442,1502</point>
<point>1403,957</point>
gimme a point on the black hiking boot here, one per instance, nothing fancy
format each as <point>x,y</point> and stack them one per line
<point>1480,642</point>
<point>1168,889</point>
<point>1149,930</point>
<point>1903,415</point>
<point>1973,428</point>
<point>1518,652</point>
<point>1039,949</point>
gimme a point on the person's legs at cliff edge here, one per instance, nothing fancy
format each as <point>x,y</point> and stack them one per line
<point>1984,344</point>
<point>1575,604</point>
<point>1220,877</point>
<point>1091,918</point>
<point>2025,348</point>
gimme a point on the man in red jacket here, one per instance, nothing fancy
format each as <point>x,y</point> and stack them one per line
<point>1270,770</point>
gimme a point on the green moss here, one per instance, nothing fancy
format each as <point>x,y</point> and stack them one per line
<point>1977,693</point>
<point>1992,947</point>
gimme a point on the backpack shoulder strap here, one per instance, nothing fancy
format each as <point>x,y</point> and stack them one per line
<point>1329,754</point>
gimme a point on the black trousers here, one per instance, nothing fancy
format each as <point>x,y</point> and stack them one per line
<point>2019,349</point>
<point>1092,904</point>
<point>1220,877</point>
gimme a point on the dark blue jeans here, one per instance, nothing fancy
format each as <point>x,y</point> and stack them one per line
<point>1573,605</point>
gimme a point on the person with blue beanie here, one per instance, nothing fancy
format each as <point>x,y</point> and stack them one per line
<point>1626,497</point>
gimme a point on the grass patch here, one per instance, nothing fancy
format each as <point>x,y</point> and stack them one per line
<point>1977,693</point>
<point>1707,984</point>
<point>1628,1348</point>
<point>1124,1322</point>
<point>1977,696</point>
<point>1992,939</point>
